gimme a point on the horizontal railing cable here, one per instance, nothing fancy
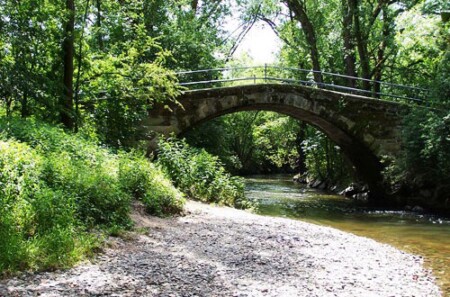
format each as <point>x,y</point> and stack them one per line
<point>271,73</point>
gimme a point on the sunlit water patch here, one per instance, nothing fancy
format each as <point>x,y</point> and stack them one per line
<point>423,234</point>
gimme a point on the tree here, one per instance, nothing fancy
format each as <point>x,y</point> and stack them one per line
<point>298,10</point>
<point>30,57</point>
<point>67,112</point>
<point>351,37</point>
<point>349,46</point>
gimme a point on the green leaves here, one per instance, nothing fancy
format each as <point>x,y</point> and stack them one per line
<point>267,142</point>
<point>148,184</point>
<point>123,52</point>
<point>124,85</point>
<point>426,153</point>
<point>324,160</point>
<point>55,186</point>
<point>29,55</point>
<point>200,175</point>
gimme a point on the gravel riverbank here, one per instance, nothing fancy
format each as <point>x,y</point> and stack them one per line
<point>216,251</point>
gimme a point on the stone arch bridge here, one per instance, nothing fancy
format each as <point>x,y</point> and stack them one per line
<point>366,129</point>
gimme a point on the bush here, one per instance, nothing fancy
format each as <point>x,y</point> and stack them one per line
<point>83,172</point>
<point>200,175</point>
<point>37,223</point>
<point>55,187</point>
<point>148,184</point>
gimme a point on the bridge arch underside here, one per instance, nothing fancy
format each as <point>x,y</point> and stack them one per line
<point>364,128</point>
<point>367,165</point>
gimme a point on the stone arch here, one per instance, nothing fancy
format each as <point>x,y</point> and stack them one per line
<point>364,128</point>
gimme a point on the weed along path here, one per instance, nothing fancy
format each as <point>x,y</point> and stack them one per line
<point>216,251</point>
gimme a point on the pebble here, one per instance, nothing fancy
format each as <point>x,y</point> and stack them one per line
<point>218,251</point>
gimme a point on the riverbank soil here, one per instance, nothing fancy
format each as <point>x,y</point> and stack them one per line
<point>217,251</point>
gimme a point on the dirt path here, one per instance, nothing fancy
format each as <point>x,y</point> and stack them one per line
<point>216,251</point>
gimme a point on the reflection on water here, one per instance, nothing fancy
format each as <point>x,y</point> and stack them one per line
<point>421,234</point>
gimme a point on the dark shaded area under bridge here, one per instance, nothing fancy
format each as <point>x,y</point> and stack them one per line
<point>366,129</point>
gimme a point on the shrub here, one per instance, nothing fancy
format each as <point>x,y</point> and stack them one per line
<point>55,187</point>
<point>34,217</point>
<point>85,173</point>
<point>148,184</point>
<point>61,247</point>
<point>93,185</point>
<point>200,175</point>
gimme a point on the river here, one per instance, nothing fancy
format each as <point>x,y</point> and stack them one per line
<point>421,234</point>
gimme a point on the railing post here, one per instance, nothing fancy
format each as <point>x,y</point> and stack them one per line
<point>265,72</point>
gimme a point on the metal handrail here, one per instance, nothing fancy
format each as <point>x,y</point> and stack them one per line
<point>266,68</point>
<point>217,69</point>
<point>348,76</point>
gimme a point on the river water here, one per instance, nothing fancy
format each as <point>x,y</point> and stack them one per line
<point>425,235</point>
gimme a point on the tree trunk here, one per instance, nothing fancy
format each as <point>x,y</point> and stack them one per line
<point>149,15</point>
<point>24,110</point>
<point>194,6</point>
<point>349,46</point>
<point>361,43</point>
<point>301,160</point>
<point>99,25</point>
<point>66,112</point>
<point>308,29</point>
<point>378,71</point>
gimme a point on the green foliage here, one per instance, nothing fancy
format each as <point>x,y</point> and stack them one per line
<point>124,85</point>
<point>127,55</point>
<point>427,145</point>
<point>200,175</point>
<point>55,187</point>
<point>441,83</point>
<point>277,139</point>
<point>79,169</point>
<point>122,56</point>
<point>324,160</point>
<point>250,142</point>
<point>194,35</point>
<point>256,142</point>
<point>30,56</point>
<point>147,183</point>
<point>38,226</point>
<point>424,164</point>
<point>394,41</point>
<point>418,48</point>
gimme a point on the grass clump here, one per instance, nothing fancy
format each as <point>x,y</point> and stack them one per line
<point>200,175</point>
<point>55,188</point>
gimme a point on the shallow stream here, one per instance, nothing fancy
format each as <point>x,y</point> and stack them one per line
<point>421,234</point>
